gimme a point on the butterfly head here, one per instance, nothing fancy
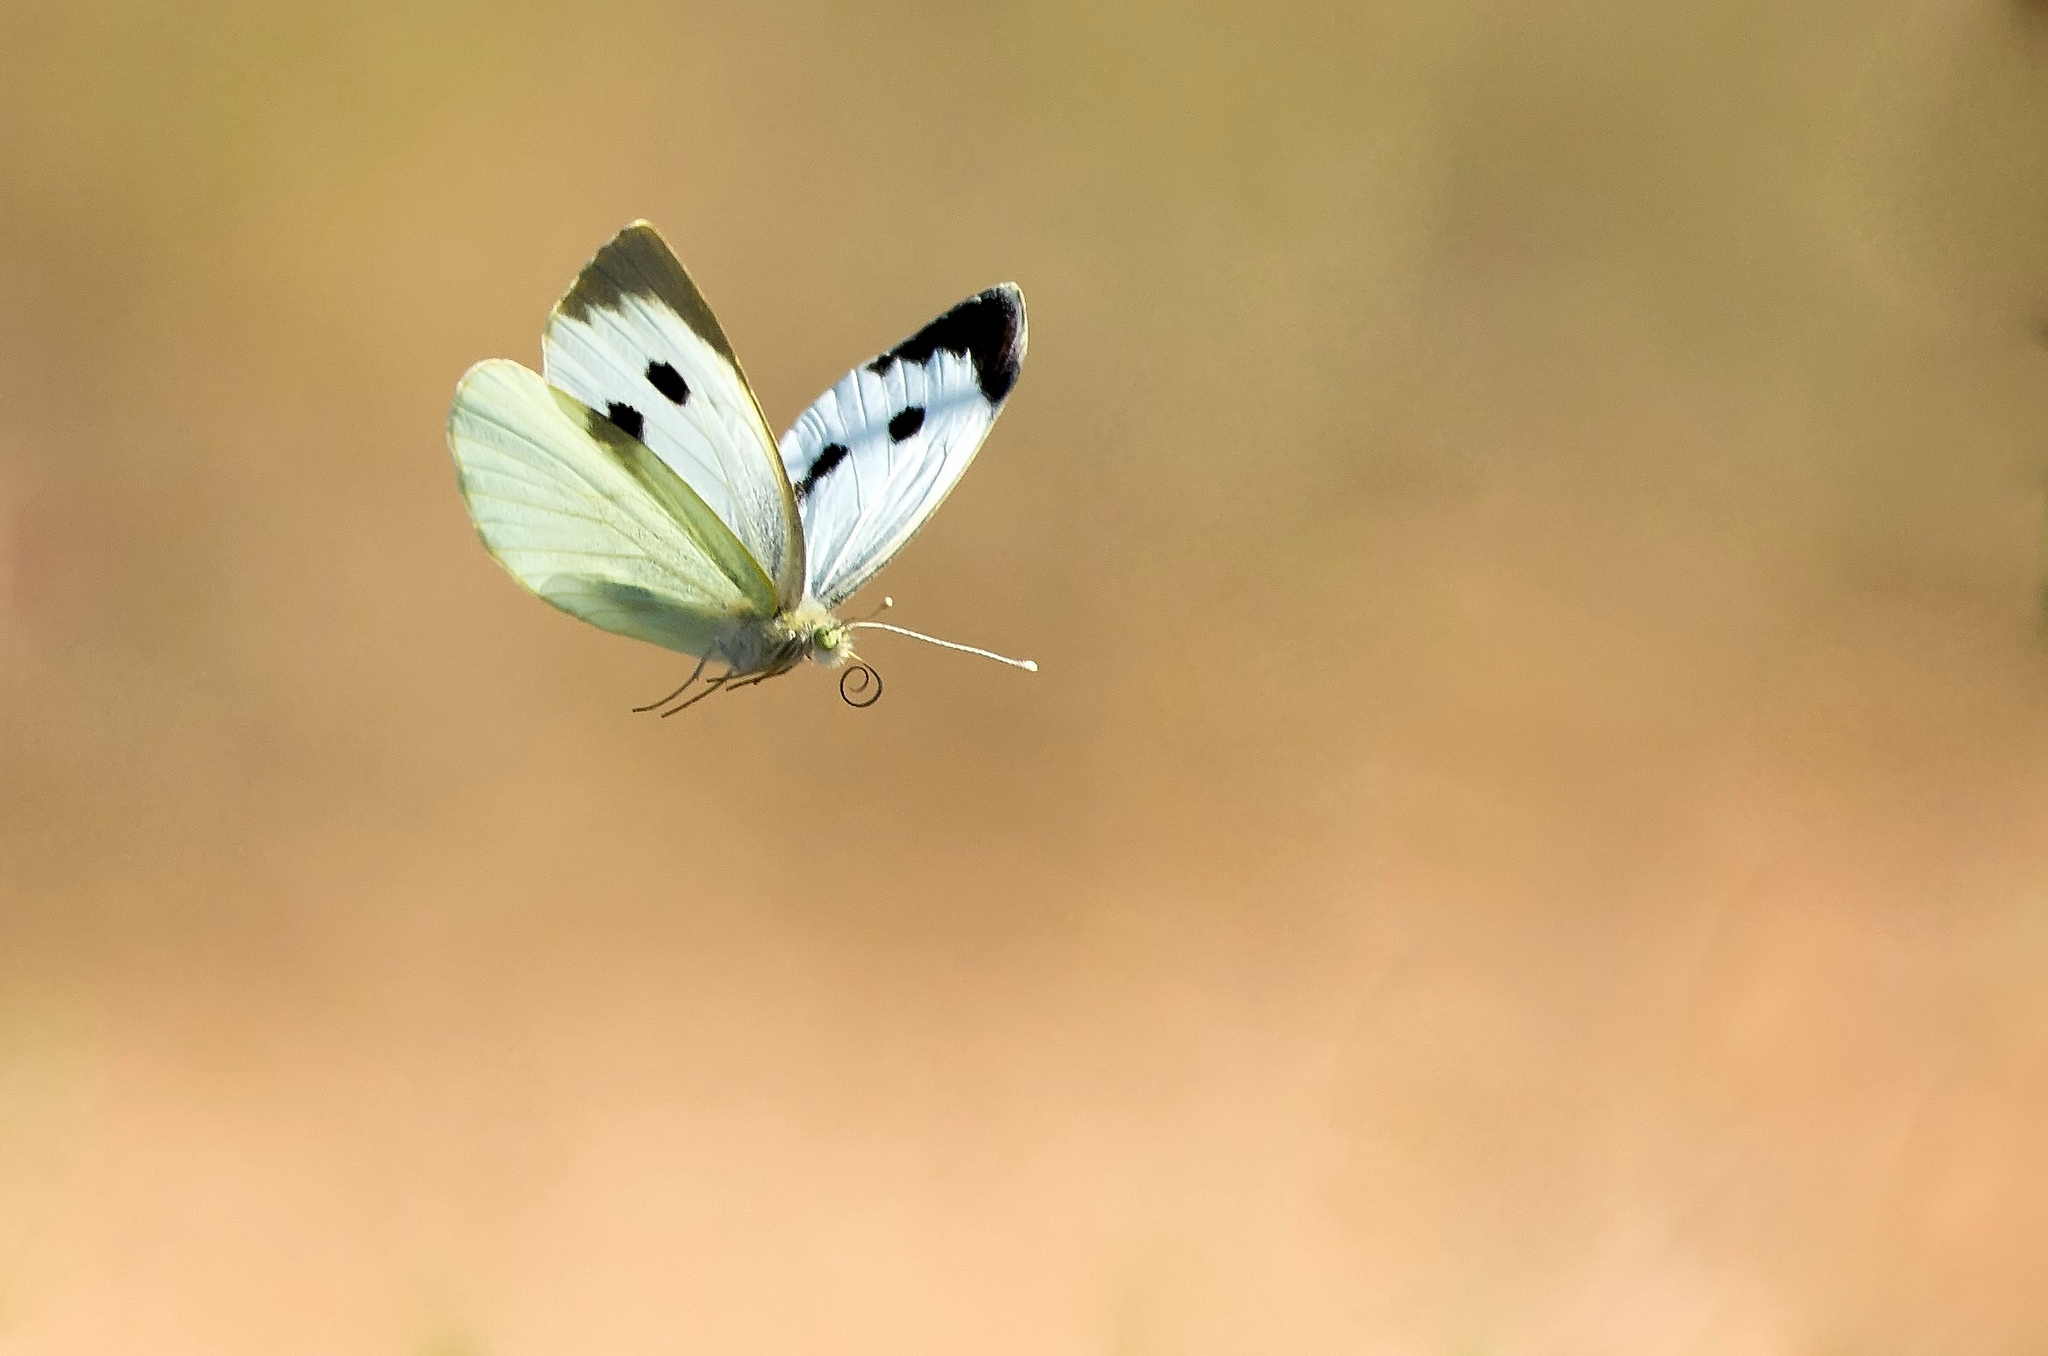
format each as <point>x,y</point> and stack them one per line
<point>831,644</point>
<point>815,634</point>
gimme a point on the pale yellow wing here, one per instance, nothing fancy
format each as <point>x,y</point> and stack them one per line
<point>591,520</point>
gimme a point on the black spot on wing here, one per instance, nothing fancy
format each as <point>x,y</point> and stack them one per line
<point>829,457</point>
<point>987,329</point>
<point>626,417</point>
<point>906,422</point>
<point>668,381</point>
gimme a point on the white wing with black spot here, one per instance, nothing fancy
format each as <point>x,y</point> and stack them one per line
<point>634,340</point>
<point>593,521</point>
<point>878,453</point>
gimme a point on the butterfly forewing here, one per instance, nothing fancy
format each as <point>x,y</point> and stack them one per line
<point>877,454</point>
<point>591,520</point>
<point>634,340</point>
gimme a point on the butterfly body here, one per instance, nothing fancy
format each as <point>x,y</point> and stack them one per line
<point>633,482</point>
<point>774,647</point>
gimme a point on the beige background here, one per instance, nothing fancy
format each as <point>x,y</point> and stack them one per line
<point>1532,835</point>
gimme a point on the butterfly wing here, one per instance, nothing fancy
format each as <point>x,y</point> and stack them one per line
<point>875,456</point>
<point>593,521</point>
<point>634,340</point>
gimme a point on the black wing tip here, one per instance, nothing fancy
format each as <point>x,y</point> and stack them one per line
<point>635,236</point>
<point>988,329</point>
<point>636,261</point>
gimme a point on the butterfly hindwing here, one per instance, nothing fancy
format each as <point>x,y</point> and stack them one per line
<point>876,454</point>
<point>593,521</point>
<point>634,340</point>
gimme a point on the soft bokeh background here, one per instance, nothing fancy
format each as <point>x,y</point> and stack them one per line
<point>1532,835</point>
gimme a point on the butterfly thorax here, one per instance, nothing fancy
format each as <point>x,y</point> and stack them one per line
<point>806,631</point>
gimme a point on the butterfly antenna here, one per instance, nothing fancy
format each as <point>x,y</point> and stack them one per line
<point>1025,664</point>
<point>886,604</point>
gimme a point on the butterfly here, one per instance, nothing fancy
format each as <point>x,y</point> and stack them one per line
<point>632,482</point>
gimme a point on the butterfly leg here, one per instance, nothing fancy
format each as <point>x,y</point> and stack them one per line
<point>714,685</point>
<point>750,679</point>
<point>787,659</point>
<point>655,706</point>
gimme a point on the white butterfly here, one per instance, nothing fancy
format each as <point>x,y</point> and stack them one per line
<point>635,484</point>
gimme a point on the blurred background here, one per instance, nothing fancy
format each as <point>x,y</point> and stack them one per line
<point>1531,837</point>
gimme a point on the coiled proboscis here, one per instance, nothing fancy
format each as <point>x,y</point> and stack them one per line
<point>860,686</point>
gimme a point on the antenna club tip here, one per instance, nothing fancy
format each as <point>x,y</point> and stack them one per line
<point>1030,666</point>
